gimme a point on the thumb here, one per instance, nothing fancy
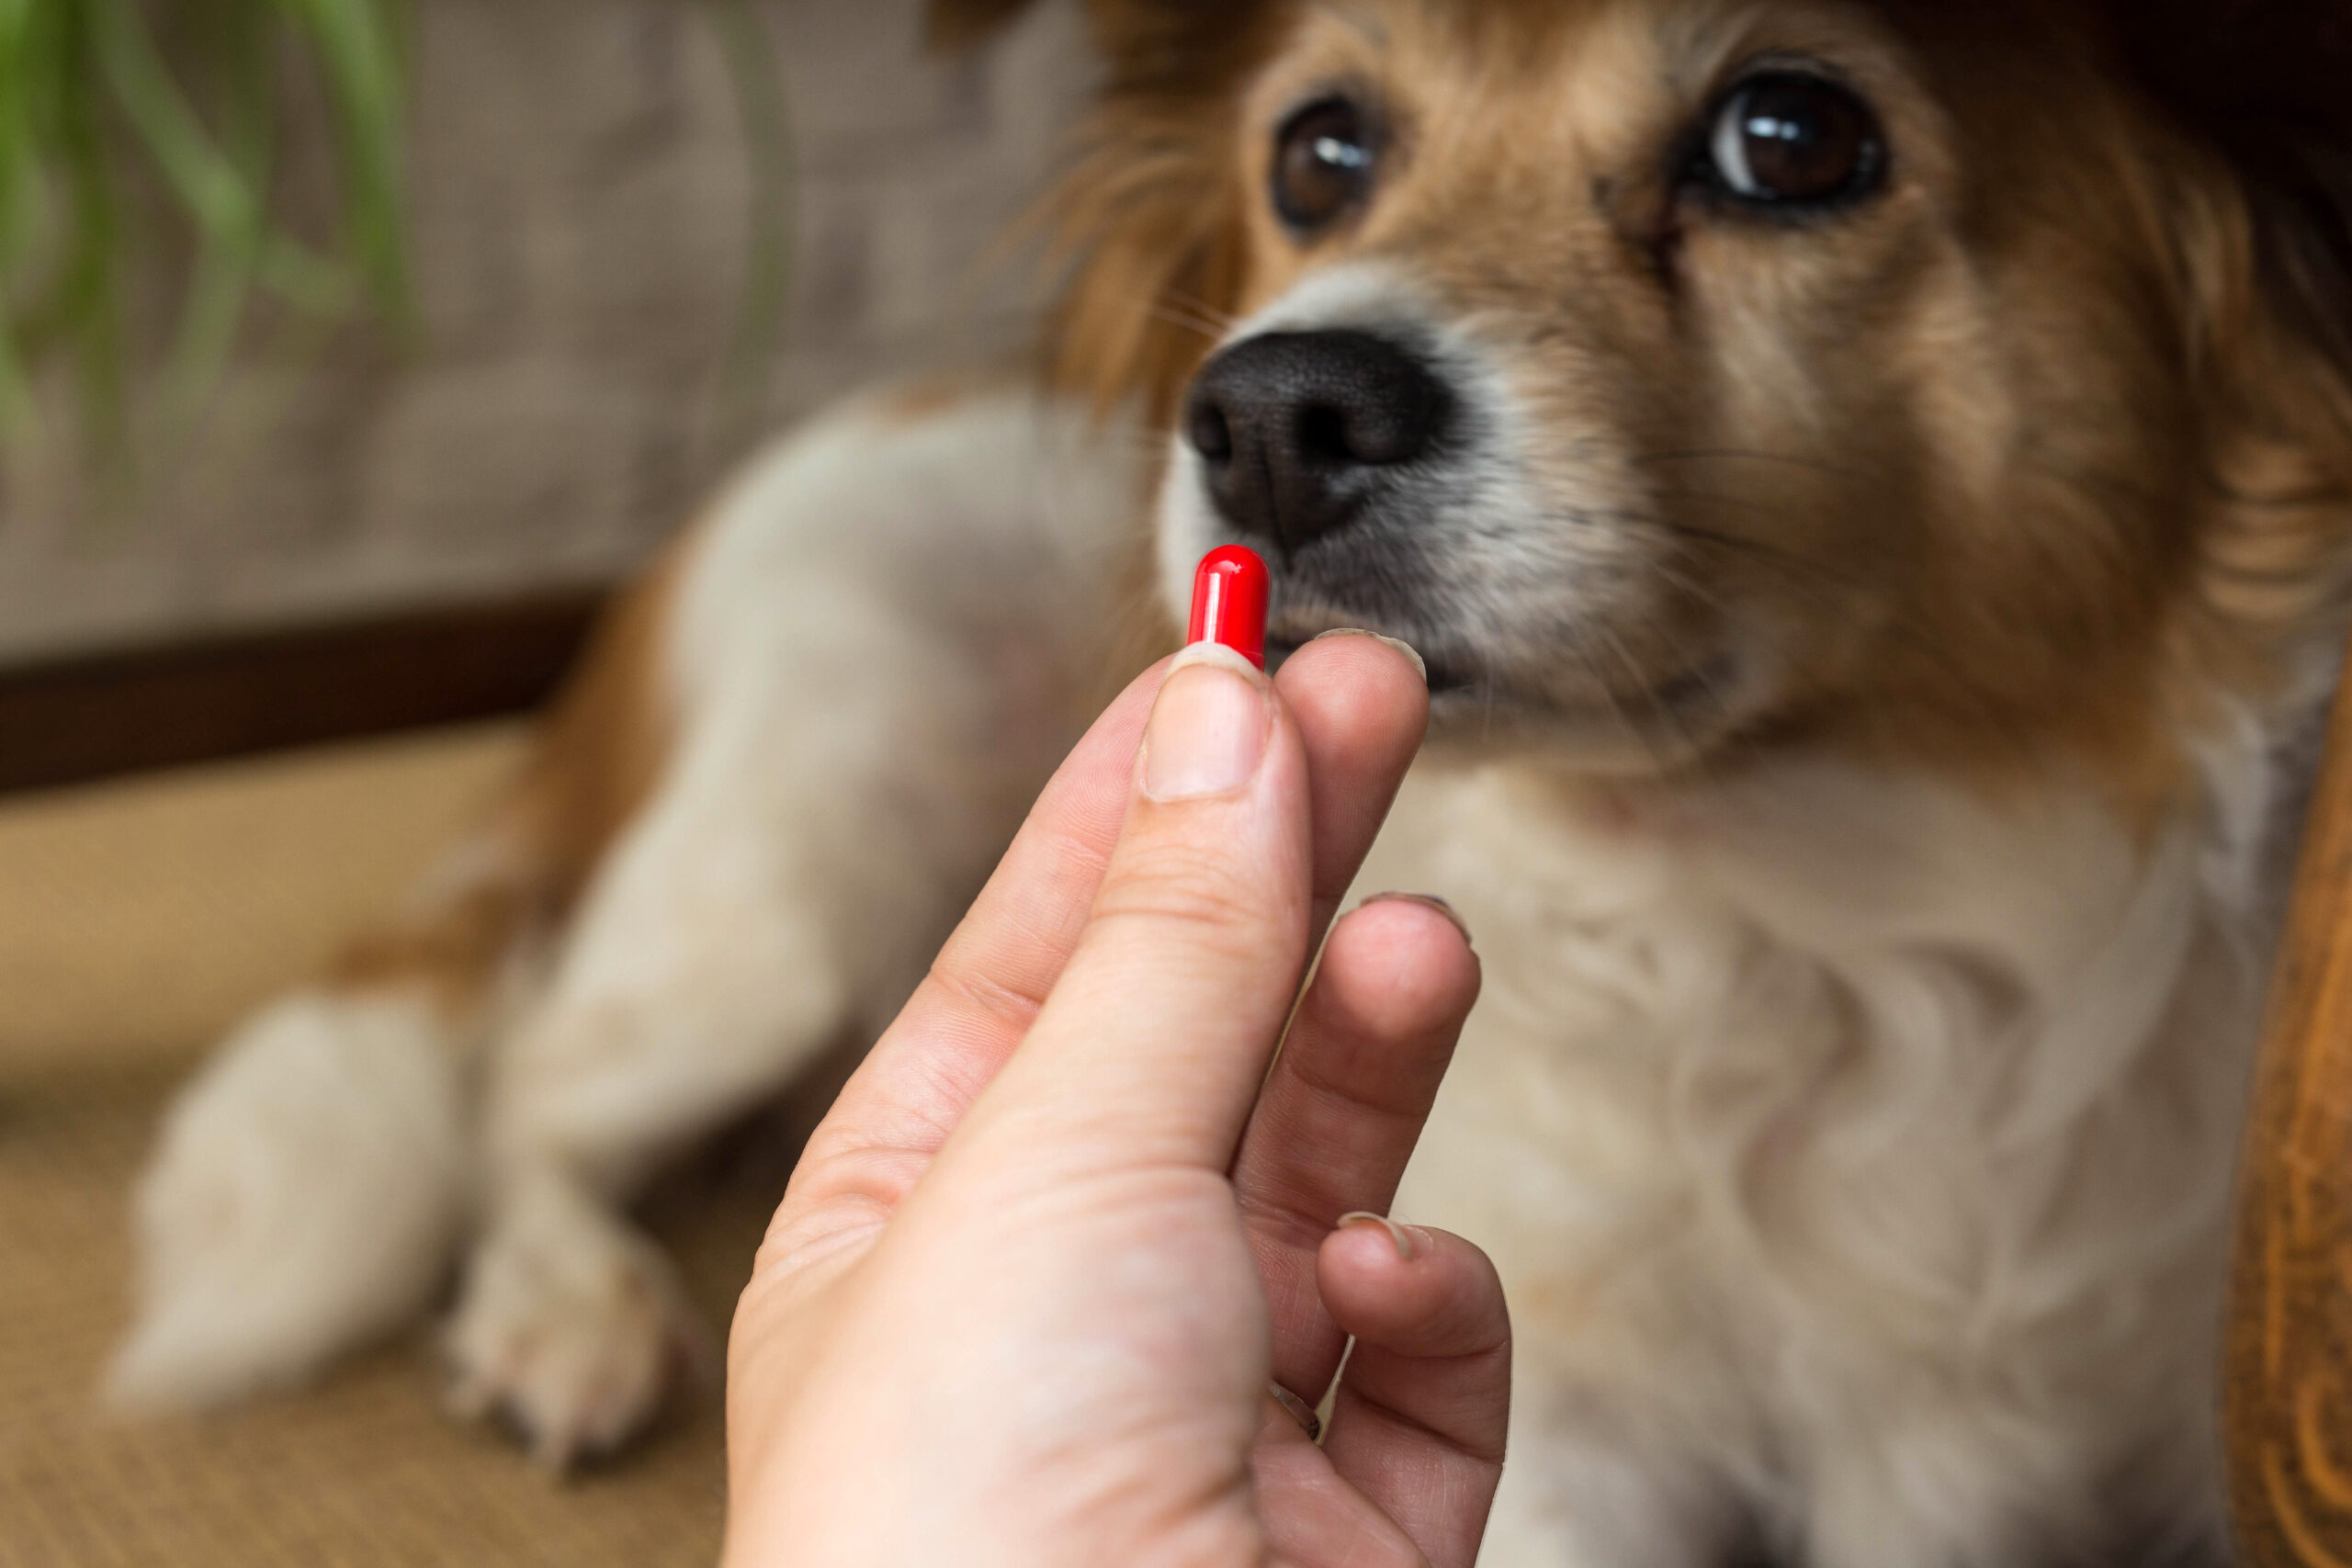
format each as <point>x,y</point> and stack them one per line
<point>1151,1048</point>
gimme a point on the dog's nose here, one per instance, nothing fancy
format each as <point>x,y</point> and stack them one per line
<point>1296,429</point>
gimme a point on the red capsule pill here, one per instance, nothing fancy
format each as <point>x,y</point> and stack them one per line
<point>1229,602</point>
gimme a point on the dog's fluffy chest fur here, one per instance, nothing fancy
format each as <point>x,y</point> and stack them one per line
<point>1850,1131</point>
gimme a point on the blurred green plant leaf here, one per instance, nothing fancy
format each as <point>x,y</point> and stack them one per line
<point>762,311</point>
<point>91,111</point>
<point>118,114</point>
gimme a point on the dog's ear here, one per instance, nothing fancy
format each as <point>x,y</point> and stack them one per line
<point>1148,219</point>
<point>1145,224</point>
<point>2263,84</point>
<point>2257,197</point>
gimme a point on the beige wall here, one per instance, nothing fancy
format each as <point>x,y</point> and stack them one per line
<point>580,184</point>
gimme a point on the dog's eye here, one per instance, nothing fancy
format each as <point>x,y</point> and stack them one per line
<point>1324,160</point>
<point>1790,140</point>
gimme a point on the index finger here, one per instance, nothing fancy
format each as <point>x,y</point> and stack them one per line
<point>1360,704</point>
<point>989,981</point>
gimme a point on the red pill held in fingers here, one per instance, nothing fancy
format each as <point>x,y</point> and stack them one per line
<point>1229,602</point>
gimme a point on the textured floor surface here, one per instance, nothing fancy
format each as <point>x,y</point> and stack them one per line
<point>135,922</point>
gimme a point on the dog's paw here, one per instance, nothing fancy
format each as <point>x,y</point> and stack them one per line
<point>571,1329</point>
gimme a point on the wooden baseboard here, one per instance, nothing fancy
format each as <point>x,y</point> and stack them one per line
<point>70,721</point>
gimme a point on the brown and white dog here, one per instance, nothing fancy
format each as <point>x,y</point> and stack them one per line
<point>1871,481</point>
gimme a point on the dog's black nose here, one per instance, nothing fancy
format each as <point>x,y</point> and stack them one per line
<point>1296,429</point>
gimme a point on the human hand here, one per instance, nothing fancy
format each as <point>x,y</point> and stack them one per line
<point>1025,1295</point>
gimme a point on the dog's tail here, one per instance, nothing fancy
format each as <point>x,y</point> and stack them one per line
<point>312,1182</point>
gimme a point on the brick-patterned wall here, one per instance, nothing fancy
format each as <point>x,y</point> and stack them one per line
<point>581,182</point>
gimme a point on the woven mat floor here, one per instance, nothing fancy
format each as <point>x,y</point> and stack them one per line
<point>136,921</point>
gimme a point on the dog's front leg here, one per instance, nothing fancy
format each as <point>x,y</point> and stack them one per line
<point>704,970</point>
<point>878,649</point>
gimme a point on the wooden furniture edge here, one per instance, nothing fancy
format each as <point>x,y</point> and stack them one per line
<point>78,719</point>
<point>2288,1363</point>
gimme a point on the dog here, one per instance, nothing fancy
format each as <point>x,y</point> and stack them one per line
<point>1872,483</point>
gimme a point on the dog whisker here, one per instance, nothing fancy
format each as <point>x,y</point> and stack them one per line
<point>1828,583</point>
<point>1178,311</point>
<point>1201,310</point>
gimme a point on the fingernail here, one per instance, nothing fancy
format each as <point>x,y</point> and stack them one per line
<point>1410,1243</point>
<point>1427,900</point>
<point>1207,733</point>
<point>1401,646</point>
